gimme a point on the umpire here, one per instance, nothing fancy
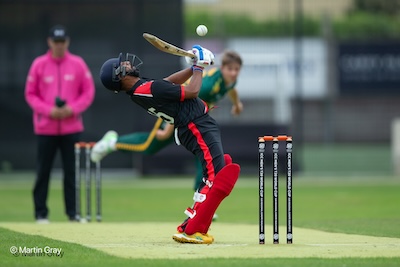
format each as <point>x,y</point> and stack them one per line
<point>59,88</point>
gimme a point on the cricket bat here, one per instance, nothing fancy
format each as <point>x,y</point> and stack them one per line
<point>167,47</point>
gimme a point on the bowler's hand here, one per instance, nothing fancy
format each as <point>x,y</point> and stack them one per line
<point>237,109</point>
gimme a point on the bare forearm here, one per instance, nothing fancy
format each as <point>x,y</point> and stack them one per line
<point>193,88</point>
<point>233,95</point>
<point>237,107</point>
<point>165,133</point>
<point>180,77</point>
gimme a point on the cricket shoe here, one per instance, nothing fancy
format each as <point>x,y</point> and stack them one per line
<point>196,238</point>
<point>105,146</point>
<point>42,221</point>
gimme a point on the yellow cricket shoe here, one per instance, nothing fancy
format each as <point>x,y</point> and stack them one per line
<point>196,238</point>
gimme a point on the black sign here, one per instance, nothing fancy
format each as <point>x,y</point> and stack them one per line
<point>369,68</point>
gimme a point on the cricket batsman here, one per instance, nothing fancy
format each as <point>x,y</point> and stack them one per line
<point>194,128</point>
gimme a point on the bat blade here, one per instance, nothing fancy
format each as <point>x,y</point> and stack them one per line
<point>167,47</point>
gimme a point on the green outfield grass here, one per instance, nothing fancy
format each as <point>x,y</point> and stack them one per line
<point>346,204</point>
<point>364,159</point>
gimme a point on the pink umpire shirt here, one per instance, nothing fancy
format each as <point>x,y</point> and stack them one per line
<point>68,78</point>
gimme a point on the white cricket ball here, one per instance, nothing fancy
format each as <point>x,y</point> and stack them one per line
<point>201,30</point>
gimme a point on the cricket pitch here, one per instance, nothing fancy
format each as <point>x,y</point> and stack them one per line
<point>154,240</point>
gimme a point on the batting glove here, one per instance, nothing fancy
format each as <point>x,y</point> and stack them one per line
<point>191,60</point>
<point>204,56</point>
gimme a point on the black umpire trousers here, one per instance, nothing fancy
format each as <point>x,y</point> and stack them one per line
<point>46,153</point>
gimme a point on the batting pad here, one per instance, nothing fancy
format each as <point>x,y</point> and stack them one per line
<point>223,185</point>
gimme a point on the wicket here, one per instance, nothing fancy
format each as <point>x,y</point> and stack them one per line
<point>87,146</point>
<point>275,187</point>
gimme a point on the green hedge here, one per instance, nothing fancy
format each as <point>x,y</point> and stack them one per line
<point>228,25</point>
<point>361,25</point>
<point>358,25</point>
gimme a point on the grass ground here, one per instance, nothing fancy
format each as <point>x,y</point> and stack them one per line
<point>359,206</point>
<point>347,159</point>
<point>366,206</point>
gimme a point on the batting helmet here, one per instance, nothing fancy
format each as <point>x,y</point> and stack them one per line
<point>112,71</point>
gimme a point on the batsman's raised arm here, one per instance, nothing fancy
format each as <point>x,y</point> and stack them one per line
<point>180,77</point>
<point>204,58</point>
<point>193,88</point>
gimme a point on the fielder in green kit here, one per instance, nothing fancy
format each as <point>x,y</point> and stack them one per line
<point>216,83</point>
